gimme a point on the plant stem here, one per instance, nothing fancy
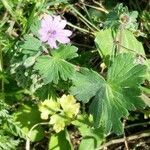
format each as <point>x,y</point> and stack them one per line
<point>1,70</point>
<point>125,138</point>
<point>138,124</point>
<point>97,8</point>
<point>130,138</point>
<point>28,140</point>
<point>78,28</point>
<point>120,34</point>
<point>78,13</point>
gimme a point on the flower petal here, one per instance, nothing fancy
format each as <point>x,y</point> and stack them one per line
<point>63,39</point>
<point>43,35</point>
<point>52,43</point>
<point>59,23</point>
<point>62,24</point>
<point>46,22</point>
<point>64,33</point>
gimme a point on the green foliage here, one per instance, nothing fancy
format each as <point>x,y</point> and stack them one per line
<point>35,104</point>
<point>145,18</point>
<point>60,141</point>
<point>131,44</point>
<point>7,142</point>
<point>54,67</point>
<point>114,97</point>
<point>24,116</point>
<point>121,16</point>
<point>31,45</point>
<point>91,137</point>
<point>106,43</point>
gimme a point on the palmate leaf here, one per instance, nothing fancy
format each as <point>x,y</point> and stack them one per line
<point>112,99</point>
<point>52,68</point>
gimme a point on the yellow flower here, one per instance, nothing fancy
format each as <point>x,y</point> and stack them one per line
<point>69,105</point>
<point>48,107</point>
<point>58,122</point>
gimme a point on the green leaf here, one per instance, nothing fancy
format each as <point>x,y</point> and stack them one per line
<point>29,61</point>
<point>147,63</point>
<point>31,45</point>
<point>7,142</point>
<point>66,52</point>
<point>54,67</point>
<point>27,117</point>
<point>131,44</point>
<point>35,26</point>
<point>60,141</point>
<point>116,96</point>
<point>105,42</point>
<point>85,87</point>
<point>126,71</point>
<point>91,138</point>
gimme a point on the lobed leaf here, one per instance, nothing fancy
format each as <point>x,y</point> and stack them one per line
<point>54,67</point>
<point>112,99</point>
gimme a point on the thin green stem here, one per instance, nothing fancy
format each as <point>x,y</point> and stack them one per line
<point>86,11</point>
<point>120,34</point>
<point>78,13</point>
<point>97,8</point>
<point>80,29</point>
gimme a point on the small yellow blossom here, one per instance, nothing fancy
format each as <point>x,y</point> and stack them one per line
<point>48,107</point>
<point>69,105</point>
<point>58,122</point>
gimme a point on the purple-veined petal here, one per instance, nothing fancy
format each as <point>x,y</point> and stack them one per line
<point>59,23</point>
<point>56,21</point>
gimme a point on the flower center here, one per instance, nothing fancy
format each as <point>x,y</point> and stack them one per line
<point>51,33</point>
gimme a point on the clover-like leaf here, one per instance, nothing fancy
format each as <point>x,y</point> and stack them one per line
<point>112,99</point>
<point>52,68</point>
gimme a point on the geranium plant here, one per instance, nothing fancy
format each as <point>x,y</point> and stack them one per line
<point>62,92</point>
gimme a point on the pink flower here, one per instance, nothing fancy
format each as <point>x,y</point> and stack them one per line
<point>52,30</point>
